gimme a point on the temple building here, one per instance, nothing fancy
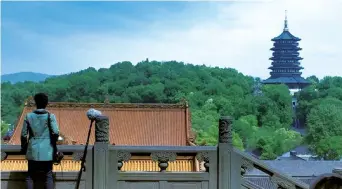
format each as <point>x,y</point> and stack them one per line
<point>285,68</point>
<point>130,124</point>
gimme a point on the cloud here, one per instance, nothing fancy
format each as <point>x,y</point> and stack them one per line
<point>223,34</point>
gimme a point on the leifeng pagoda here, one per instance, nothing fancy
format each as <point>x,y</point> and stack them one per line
<point>286,67</point>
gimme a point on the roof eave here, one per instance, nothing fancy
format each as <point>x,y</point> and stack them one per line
<point>111,105</point>
<point>15,131</point>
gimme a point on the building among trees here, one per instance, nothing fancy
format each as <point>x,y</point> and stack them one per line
<point>285,68</point>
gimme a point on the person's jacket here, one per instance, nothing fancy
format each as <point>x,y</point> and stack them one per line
<point>38,146</point>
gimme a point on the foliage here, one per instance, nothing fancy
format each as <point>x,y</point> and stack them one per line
<point>262,114</point>
<point>4,128</point>
<point>320,107</point>
<point>330,148</point>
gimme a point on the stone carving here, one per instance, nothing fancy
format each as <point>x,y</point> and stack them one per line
<point>102,129</point>
<point>163,158</point>
<point>225,130</point>
<point>77,156</point>
<point>123,156</point>
<point>3,155</point>
<point>100,150</point>
<point>204,157</point>
<point>246,166</point>
<point>281,183</point>
<point>338,171</point>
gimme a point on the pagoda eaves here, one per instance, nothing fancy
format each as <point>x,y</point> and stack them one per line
<point>285,67</point>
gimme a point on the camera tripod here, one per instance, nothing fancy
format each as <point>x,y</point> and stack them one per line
<point>83,168</point>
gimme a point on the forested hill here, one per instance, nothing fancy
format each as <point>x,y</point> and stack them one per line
<point>24,76</point>
<point>263,114</point>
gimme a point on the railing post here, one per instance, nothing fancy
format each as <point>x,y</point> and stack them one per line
<point>101,154</point>
<point>229,163</point>
<point>89,168</point>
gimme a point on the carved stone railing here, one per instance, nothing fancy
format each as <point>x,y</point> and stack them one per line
<point>14,167</point>
<point>280,180</point>
<point>224,165</point>
<point>163,155</point>
<point>13,160</point>
<point>76,151</point>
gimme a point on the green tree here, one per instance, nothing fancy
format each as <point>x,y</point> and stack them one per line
<point>329,148</point>
<point>324,120</point>
<point>4,127</point>
<point>210,91</point>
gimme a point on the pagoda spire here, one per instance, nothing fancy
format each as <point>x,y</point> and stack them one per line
<point>285,22</point>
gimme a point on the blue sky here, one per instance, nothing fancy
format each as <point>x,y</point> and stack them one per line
<point>62,37</point>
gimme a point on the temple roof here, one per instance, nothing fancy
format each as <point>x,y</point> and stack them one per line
<point>305,171</point>
<point>286,80</point>
<point>130,124</point>
<point>286,35</point>
<point>299,168</point>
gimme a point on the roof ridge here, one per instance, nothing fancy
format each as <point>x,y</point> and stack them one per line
<point>111,105</point>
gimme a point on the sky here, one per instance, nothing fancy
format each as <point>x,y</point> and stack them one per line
<point>62,37</point>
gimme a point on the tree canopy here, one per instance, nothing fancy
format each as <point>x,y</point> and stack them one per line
<point>262,114</point>
<point>320,108</point>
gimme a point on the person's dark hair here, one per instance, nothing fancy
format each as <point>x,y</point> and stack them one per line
<point>327,181</point>
<point>41,100</point>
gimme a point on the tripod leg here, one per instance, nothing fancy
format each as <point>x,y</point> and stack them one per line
<point>82,169</point>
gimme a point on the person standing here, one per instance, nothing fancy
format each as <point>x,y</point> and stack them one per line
<point>36,142</point>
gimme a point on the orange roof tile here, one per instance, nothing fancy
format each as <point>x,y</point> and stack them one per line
<point>130,124</point>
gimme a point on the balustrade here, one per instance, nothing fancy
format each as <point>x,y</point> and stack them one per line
<point>224,166</point>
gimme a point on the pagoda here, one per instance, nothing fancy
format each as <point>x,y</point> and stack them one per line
<point>286,67</point>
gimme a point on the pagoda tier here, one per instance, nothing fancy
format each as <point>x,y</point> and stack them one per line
<point>285,67</point>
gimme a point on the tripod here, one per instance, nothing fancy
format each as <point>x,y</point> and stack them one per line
<point>82,169</point>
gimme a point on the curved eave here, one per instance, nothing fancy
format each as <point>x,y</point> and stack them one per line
<point>285,67</point>
<point>286,35</point>
<point>286,80</point>
<point>286,58</point>
<point>276,39</point>
<point>288,48</point>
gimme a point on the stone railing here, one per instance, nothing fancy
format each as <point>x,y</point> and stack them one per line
<point>14,166</point>
<point>13,160</point>
<point>105,166</point>
<point>280,180</point>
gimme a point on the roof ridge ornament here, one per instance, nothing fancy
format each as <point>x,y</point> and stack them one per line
<point>286,28</point>
<point>183,101</point>
<point>106,101</point>
<point>30,102</point>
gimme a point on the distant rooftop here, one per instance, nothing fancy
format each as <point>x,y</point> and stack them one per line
<point>298,168</point>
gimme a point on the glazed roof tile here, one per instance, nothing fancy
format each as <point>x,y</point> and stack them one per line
<point>130,124</point>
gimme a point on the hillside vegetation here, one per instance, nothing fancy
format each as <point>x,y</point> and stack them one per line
<point>24,76</point>
<point>263,114</point>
